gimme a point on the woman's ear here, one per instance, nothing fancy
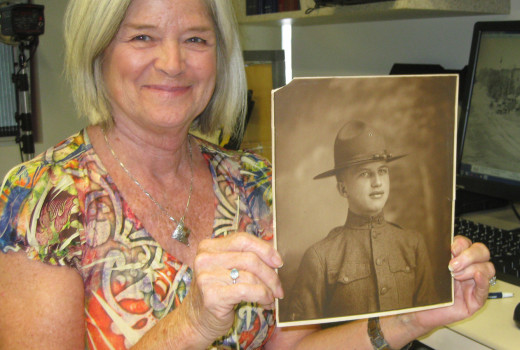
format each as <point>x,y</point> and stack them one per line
<point>342,189</point>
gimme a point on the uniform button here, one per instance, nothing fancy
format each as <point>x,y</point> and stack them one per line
<point>345,279</point>
<point>407,269</point>
<point>383,291</point>
<point>380,261</point>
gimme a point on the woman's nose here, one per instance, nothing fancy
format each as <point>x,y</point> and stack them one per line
<point>170,58</point>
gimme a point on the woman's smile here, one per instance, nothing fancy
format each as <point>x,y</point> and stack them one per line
<point>168,91</point>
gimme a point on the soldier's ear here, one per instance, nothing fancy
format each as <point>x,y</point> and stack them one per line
<point>342,189</point>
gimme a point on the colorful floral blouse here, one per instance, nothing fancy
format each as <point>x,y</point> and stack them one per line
<point>63,208</point>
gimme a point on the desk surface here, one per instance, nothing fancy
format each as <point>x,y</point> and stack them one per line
<point>492,327</point>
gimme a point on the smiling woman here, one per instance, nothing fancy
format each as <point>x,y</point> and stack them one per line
<point>87,39</point>
<point>160,68</point>
<point>107,199</point>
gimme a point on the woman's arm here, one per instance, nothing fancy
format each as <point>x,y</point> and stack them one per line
<point>352,335</point>
<point>471,270</point>
<point>42,305</point>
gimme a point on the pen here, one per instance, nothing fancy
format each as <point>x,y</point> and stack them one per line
<point>500,295</point>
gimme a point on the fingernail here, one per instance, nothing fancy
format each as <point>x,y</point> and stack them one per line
<point>455,249</point>
<point>277,260</point>
<point>455,274</point>
<point>454,265</point>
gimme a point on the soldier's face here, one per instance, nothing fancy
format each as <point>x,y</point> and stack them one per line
<point>366,186</point>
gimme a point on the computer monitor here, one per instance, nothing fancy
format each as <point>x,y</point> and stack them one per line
<point>489,126</point>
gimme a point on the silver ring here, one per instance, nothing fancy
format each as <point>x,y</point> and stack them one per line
<point>234,275</point>
<point>493,281</point>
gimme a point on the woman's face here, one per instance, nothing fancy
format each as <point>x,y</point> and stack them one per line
<point>366,186</point>
<point>160,68</point>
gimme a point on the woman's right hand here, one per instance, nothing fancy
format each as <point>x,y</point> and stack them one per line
<point>210,304</point>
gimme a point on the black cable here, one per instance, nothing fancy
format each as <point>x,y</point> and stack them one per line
<point>310,9</point>
<point>517,214</point>
<point>23,116</point>
<point>32,46</point>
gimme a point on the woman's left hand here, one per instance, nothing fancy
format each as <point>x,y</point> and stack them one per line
<point>214,293</point>
<point>472,270</point>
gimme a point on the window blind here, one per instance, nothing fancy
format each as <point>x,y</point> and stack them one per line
<point>8,125</point>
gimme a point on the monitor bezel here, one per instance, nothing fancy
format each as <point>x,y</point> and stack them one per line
<point>487,187</point>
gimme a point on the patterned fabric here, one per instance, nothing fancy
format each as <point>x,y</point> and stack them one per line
<point>63,208</point>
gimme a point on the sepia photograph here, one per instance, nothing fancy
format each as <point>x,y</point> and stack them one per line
<point>364,187</point>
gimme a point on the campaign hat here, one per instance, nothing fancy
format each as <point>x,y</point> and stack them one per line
<point>357,143</point>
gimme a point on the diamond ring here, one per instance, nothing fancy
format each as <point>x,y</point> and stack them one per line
<point>234,275</point>
<point>493,281</point>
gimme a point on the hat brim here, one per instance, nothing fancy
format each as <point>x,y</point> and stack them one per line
<point>349,164</point>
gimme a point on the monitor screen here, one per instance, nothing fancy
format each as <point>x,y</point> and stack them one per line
<point>489,128</point>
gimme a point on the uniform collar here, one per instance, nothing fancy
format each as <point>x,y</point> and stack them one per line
<point>358,221</point>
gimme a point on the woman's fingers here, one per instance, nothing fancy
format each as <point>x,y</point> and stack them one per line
<point>243,252</point>
<point>471,268</point>
<point>486,269</point>
<point>466,254</point>
<point>459,244</point>
<point>219,289</point>
<point>250,267</point>
<point>244,242</point>
<point>215,291</point>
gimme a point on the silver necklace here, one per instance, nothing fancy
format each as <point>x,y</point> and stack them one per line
<point>181,232</point>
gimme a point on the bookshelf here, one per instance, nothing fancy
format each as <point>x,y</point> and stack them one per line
<point>386,10</point>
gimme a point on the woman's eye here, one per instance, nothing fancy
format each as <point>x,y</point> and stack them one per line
<point>142,37</point>
<point>196,40</point>
<point>383,171</point>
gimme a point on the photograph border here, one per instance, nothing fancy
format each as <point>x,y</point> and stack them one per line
<point>369,95</point>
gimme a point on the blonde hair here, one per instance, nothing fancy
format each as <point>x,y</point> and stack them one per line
<point>89,28</point>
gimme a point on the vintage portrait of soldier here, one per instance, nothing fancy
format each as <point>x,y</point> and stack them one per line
<point>364,197</point>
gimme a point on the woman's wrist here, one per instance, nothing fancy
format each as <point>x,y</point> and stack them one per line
<point>400,330</point>
<point>191,329</point>
<point>175,331</point>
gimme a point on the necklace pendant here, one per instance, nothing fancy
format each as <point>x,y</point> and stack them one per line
<point>181,233</point>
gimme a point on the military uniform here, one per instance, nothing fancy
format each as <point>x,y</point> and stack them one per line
<point>368,265</point>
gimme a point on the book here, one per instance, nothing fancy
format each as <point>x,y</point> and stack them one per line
<point>251,7</point>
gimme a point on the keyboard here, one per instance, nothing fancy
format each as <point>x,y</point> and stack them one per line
<point>503,245</point>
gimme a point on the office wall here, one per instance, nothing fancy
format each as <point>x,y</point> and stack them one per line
<point>372,47</point>
<point>340,49</point>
